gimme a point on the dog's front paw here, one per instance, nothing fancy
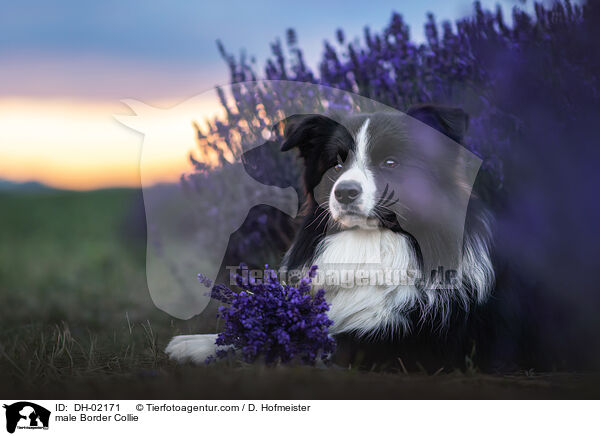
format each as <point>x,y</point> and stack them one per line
<point>191,348</point>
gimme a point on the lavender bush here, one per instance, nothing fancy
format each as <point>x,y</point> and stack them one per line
<point>274,321</point>
<point>459,64</point>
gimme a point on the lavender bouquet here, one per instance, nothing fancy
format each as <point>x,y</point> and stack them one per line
<point>273,320</point>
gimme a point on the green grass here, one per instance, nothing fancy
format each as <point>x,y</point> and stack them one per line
<point>74,301</point>
<point>67,256</point>
<point>77,321</point>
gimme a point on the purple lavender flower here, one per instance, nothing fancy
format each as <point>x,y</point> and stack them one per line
<point>205,280</point>
<point>274,321</point>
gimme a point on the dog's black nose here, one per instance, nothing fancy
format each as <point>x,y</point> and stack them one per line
<point>347,192</point>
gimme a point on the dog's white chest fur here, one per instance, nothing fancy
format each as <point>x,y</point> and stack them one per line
<point>365,275</point>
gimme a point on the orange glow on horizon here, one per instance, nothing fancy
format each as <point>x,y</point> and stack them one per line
<point>79,145</point>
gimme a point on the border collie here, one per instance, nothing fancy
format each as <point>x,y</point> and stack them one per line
<point>368,179</point>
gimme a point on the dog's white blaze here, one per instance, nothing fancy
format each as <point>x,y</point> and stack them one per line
<point>362,141</point>
<point>359,172</point>
<point>371,308</point>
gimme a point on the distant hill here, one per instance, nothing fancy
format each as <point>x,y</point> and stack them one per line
<point>7,185</point>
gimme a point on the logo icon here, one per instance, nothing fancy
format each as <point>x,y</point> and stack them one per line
<point>26,415</point>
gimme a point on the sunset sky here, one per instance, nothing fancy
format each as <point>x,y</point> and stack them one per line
<point>66,67</point>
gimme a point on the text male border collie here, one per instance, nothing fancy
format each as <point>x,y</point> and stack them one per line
<point>348,220</point>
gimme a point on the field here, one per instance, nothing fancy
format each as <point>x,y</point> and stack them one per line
<point>77,321</point>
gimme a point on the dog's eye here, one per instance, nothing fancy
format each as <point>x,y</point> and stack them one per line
<point>340,164</point>
<point>389,163</point>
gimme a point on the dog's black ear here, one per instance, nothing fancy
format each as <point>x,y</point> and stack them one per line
<point>264,163</point>
<point>451,121</point>
<point>306,131</point>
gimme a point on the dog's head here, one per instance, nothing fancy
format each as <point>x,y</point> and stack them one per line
<point>405,172</point>
<point>384,168</point>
